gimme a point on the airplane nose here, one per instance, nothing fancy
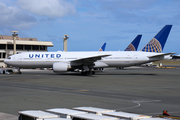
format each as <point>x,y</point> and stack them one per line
<point>6,61</point>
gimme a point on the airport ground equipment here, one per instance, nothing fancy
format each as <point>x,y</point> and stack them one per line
<point>64,112</point>
<point>55,119</point>
<point>94,110</point>
<point>126,116</point>
<point>166,115</point>
<point>6,71</point>
<point>36,115</point>
<point>92,117</point>
<point>155,119</point>
<point>93,114</point>
<point>172,117</point>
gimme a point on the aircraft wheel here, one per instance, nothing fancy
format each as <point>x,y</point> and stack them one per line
<point>82,73</point>
<point>87,73</point>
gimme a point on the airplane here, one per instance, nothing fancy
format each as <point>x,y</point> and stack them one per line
<point>132,47</point>
<point>84,62</point>
<point>158,42</point>
<point>103,47</point>
<point>134,44</point>
<point>176,56</point>
<point>155,45</point>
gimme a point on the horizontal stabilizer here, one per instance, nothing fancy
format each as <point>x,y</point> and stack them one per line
<point>161,55</point>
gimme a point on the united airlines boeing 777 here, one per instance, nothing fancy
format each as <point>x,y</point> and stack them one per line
<point>133,46</point>
<point>85,62</point>
<point>102,48</point>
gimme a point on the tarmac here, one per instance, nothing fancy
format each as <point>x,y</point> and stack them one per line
<point>141,90</point>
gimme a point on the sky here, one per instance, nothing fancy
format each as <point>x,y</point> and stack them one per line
<point>90,23</point>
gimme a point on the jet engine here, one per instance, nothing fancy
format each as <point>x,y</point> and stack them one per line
<point>60,67</point>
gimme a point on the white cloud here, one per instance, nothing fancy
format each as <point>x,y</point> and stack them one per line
<point>13,18</point>
<point>50,8</point>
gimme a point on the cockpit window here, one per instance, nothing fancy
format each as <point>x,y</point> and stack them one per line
<point>9,57</point>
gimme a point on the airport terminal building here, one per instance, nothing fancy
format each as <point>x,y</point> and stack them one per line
<point>22,45</point>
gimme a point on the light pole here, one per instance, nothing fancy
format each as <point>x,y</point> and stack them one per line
<point>14,40</point>
<point>65,41</point>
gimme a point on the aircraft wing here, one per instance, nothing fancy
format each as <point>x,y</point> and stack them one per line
<point>90,59</point>
<point>160,55</point>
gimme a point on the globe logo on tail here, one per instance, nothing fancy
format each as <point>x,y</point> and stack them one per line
<point>100,49</point>
<point>130,48</point>
<point>153,46</point>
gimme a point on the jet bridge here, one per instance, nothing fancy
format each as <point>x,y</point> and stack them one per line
<point>64,112</point>
<point>126,116</point>
<point>94,110</point>
<point>92,117</point>
<point>36,115</point>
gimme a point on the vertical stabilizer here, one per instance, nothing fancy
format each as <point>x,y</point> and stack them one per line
<point>158,42</point>
<point>103,47</point>
<point>134,44</point>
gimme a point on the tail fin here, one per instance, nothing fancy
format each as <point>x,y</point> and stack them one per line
<point>103,47</point>
<point>134,44</point>
<point>158,42</point>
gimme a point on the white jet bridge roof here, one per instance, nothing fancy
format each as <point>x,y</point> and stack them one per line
<point>94,117</point>
<point>65,111</point>
<point>93,110</point>
<point>156,119</point>
<point>38,114</point>
<point>126,115</point>
<point>56,119</point>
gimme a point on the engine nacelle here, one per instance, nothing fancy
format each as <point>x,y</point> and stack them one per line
<point>100,64</point>
<point>60,67</point>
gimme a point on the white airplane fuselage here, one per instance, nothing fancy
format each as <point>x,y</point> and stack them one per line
<point>47,59</point>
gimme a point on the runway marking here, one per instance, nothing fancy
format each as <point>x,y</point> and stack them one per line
<point>82,90</point>
<point>143,101</point>
<point>138,105</point>
<point>138,102</point>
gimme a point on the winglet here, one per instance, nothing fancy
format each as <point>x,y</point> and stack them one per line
<point>103,47</point>
<point>158,42</point>
<point>134,44</point>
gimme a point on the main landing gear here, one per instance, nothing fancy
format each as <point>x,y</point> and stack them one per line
<point>90,72</point>
<point>19,71</point>
<point>87,71</point>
